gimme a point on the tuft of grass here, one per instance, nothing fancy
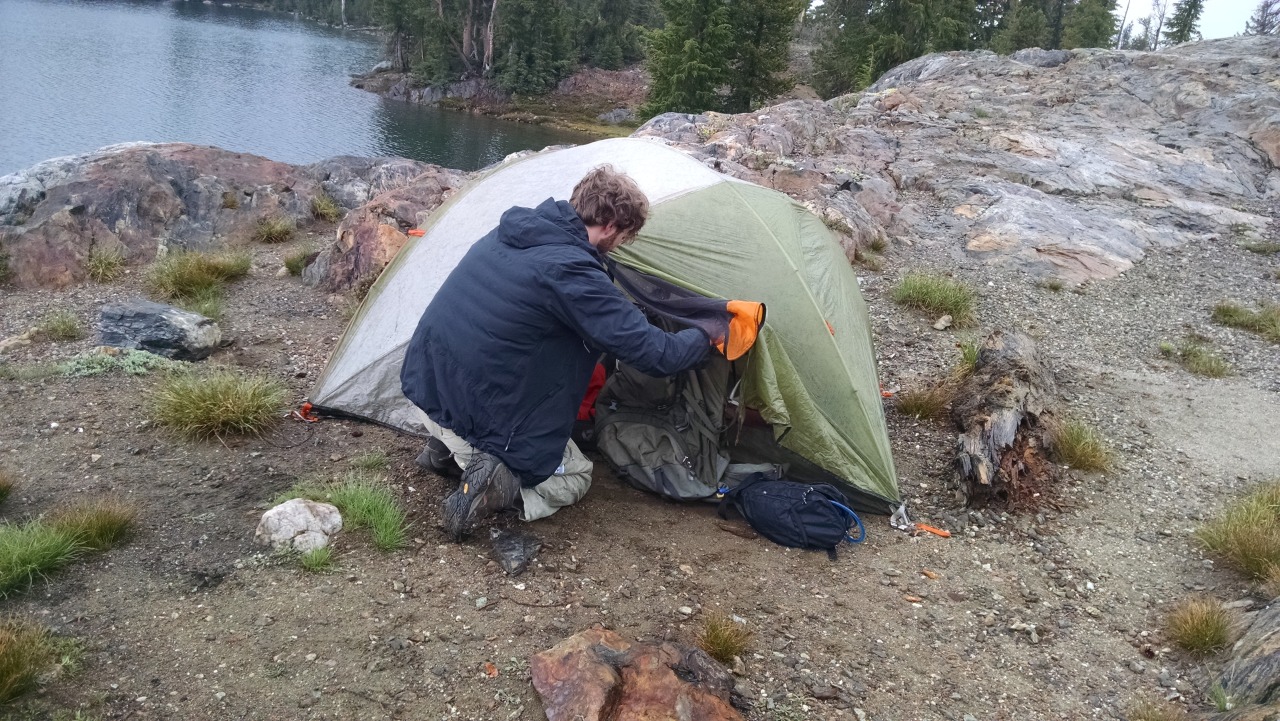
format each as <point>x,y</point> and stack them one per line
<point>104,264</point>
<point>1262,247</point>
<point>295,263</point>
<point>937,295</point>
<point>1247,534</point>
<point>374,460</point>
<point>274,229</point>
<point>98,524</point>
<point>1220,699</point>
<point>28,372</point>
<point>1080,446</point>
<point>1265,321</point>
<point>1200,626</point>
<point>929,403</point>
<point>31,550</point>
<point>878,244</point>
<point>365,501</point>
<point>187,275</point>
<point>8,482</point>
<point>5,271</point>
<point>317,560</point>
<point>218,403</point>
<point>230,200</point>
<point>61,325</point>
<point>1271,582</point>
<point>1193,355</point>
<point>969,349</point>
<point>1053,284</point>
<point>324,207</point>
<point>723,638</point>
<point>870,261</point>
<point>206,301</point>
<point>25,652</point>
<point>1155,711</point>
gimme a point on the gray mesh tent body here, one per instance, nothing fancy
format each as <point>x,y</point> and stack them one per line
<point>811,374</point>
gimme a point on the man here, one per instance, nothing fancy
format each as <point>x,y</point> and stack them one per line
<point>503,354</point>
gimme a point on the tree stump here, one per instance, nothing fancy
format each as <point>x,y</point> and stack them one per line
<point>1003,412</point>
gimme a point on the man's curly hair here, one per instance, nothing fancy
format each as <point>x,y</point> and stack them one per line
<point>606,196</point>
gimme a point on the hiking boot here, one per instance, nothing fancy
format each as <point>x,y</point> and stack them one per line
<point>487,487</point>
<point>437,458</point>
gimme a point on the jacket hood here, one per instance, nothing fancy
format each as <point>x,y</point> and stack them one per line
<point>551,223</point>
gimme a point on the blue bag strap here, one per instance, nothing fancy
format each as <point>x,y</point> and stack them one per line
<point>862,531</point>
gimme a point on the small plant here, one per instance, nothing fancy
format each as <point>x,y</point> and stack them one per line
<point>365,501</point>
<point>206,301</point>
<point>968,357</point>
<point>1193,355</point>
<point>374,460</point>
<point>1080,446</point>
<point>216,404</point>
<point>1220,699</point>
<point>96,525</point>
<point>130,361</point>
<point>981,113</point>
<point>31,372</point>
<point>274,229</point>
<point>1155,711</point>
<point>5,271</point>
<point>937,295</point>
<point>1262,247</point>
<point>929,403</point>
<point>870,261</point>
<point>324,207</point>
<point>187,274</point>
<point>31,550</point>
<point>61,325</point>
<point>25,652</point>
<point>1271,581</point>
<point>104,264</point>
<point>878,244</point>
<point>295,263</point>
<point>8,482</point>
<point>1200,626</point>
<point>1247,534</point>
<point>230,200</point>
<point>1265,321</point>
<point>1052,284</point>
<point>723,638</point>
<point>317,560</point>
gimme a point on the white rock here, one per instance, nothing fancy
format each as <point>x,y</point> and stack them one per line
<point>300,525</point>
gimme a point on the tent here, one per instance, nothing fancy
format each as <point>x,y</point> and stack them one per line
<point>811,375</point>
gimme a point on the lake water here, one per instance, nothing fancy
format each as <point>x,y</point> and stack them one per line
<point>76,75</point>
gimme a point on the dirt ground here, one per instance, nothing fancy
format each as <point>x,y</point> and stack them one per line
<point>1055,615</point>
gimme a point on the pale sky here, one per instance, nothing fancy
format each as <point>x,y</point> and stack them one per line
<point>1220,19</point>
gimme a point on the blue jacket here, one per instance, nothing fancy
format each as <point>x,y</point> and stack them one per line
<point>503,354</point>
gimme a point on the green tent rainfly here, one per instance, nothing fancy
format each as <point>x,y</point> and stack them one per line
<point>811,374</point>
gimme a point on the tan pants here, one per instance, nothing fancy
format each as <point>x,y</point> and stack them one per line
<point>567,486</point>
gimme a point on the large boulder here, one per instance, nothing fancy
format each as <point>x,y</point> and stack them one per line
<point>596,675</point>
<point>1251,679</point>
<point>1066,163</point>
<point>298,525</point>
<point>159,329</point>
<point>140,197</point>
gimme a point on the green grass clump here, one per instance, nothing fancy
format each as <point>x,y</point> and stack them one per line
<point>274,229</point>
<point>1080,446</point>
<point>1199,626</point>
<point>1247,533</point>
<point>230,200</point>
<point>1155,711</point>
<point>937,295</point>
<point>8,482</point>
<point>324,207</point>
<point>1052,284</point>
<point>61,325</point>
<point>723,638</point>
<point>31,550</point>
<point>1262,247</point>
<point>5,271</point>
<point>317,560</point>
<point>28,372</point>
<point>373,460</point>
<point>96,525</point>
<point>1196,358</point>
<point>1265,321</point>
<point>968,363</point>
<point>365,501</point>
<point>206,301</point>
<point>104,264</point>
<point>929,403</point>
<point>218,403</point>
<point>295,263</point>
<point>25,652</point>
<point>189,275</point>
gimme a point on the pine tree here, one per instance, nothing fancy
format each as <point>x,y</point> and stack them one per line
<point>689,56</point>
<point>845,49</point>
<point>761,45</point>
<point>536,50</point>
<point>1182,25</point>
<point>1090,24</point>
<point>1026,28</point>
<point>954,24</point>
<point>1265,19</point>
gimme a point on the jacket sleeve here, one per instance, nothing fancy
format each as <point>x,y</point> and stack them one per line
<point>586,300</point>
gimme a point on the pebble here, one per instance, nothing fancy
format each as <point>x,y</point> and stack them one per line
<point>220,695</point>
<point>685,611</point>
<point>1137,667</point>
<point>482,601</point>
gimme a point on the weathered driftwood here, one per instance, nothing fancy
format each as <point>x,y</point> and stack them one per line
<point>1003,412</point>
